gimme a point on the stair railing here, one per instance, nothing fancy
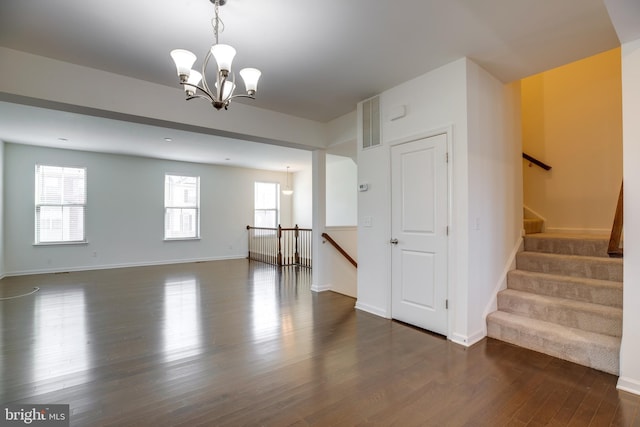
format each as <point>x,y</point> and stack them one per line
<point>615,249</point>
<point>533,160</point>
<point>280,246</point>
<point>339,249</point>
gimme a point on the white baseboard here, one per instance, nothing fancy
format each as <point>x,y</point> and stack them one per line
<point>373,310</point>
<point>320,288</point>
<point>122,265</point>
<point>467,341</point>
<point>629,385</point>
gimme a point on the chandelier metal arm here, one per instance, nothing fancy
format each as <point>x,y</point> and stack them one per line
<point>197,95</point>
<point>221,81</point>
<point>241,95</point>
<point>204,67</point>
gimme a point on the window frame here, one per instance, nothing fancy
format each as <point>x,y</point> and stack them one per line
<point>38,180</point>
<point>196,208</point>
<point>277,198</point>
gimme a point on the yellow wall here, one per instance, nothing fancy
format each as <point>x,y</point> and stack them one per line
<point>572,120</point>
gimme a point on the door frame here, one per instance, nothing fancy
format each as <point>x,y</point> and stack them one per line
<point>447,131</point>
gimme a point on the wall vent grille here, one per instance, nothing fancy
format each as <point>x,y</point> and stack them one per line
<point>371,122</point>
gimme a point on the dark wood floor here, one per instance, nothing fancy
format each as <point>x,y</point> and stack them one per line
<point>237,343</point>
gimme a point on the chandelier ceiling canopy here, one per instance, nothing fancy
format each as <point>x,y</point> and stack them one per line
<point>223,91</point>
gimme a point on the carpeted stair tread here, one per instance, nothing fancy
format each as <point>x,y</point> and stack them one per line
<point>564,299</point>
<point>568,244</point>
<point>575,314</point>
<point>571,265</point>
<point>586,348</point>
<point>605,292</point>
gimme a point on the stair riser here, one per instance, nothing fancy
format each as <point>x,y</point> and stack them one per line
<point>574,267</point>
<point>571,289</point>
<point>586,354</point>
<point>532,226</point>
<point>567,246</point>
<point>593,321</point>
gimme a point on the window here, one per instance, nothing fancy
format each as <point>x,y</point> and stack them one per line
<point>181,207</point>
<point>266,204</point>
<point>61,198</point>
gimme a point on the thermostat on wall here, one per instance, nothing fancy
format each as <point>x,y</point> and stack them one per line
<point>363,187</point>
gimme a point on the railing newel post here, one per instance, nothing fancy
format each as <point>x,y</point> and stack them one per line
<point>279,256</point>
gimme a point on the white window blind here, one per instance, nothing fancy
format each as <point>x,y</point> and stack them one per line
<point>181,207</point>
<point>61,198</point>
<point>266,204</point>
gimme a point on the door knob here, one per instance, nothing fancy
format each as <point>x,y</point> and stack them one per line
<point>393,241</point>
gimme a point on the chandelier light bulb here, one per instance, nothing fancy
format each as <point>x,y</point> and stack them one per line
<point>250,76</point>
<point>184,61</point>
<point>227,89</point>
<point>192,82</point>
<point>224,55</point>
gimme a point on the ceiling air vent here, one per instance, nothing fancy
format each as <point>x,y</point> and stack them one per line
<point>371,122</point>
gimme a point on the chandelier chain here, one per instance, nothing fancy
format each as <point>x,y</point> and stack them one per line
<point>216,22</point>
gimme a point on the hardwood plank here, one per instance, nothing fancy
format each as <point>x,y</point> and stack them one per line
<point>592,401</point>
<point>236,342</point>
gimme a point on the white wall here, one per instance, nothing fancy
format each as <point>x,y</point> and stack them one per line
<point>475,109</point>
<point>495,191</point>
<point>342,130</point>
<point>302,198</point>
<point>2,225</point>
<point>436,100</point>
<point>630,352</point>
<point>342,193</point>
<point>125,217</point>
<point>318,213</point>
<point>572,120</point>
<point>341,275</point>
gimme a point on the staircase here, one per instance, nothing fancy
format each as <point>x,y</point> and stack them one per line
<point>564,299</point>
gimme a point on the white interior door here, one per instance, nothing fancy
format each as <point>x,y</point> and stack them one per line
<point>419,200</point>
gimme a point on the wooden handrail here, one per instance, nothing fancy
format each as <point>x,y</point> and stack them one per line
<point>249,227</point>
<point>615,250</point>
<point>536,161</point>
<point>339,248</point>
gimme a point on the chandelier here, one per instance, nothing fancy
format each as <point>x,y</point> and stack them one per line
<point>287,190</point>
<point>195,83</point>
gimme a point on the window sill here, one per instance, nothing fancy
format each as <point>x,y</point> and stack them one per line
<point>78,243</point>
<point>181,239</point>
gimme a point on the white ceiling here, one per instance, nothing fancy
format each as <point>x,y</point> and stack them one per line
<point>318,58</point>
<point>50,128</point>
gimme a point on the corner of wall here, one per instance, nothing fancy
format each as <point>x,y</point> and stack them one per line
<point>373,310</point>
<point>501,284</point>
<point>2,269</point>
<point>629,385</point>
<point>630,346</point>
